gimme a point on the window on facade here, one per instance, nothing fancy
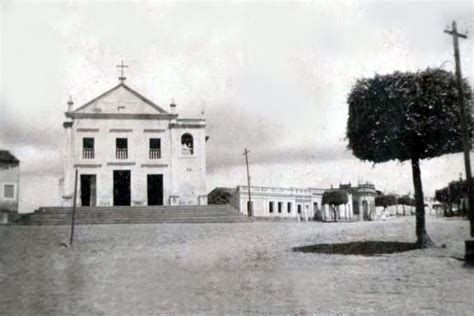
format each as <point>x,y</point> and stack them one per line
<point>88,148</point>
<point>355,208</point>
<point>9,191</point>
<point>299,208</point>
<point>121,148</point>
<point>288,207</point>
<point>280,207</point>
<point>155,148</point>
<point>270,207</point>
<point>187,144</point>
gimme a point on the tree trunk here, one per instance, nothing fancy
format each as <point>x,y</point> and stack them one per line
<point>335,213</point>
<point>423,240</point>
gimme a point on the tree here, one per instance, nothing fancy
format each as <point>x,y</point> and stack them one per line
<point>220,196</point>
<point>459,190</point>
<point>444,197</point>
<point>406,200</point>
<point>454,193</point>
<point>334,198</point>
<point>406,116</point>
<point>385,200</point>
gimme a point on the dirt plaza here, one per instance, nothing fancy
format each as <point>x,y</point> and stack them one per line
<point>242,268</point>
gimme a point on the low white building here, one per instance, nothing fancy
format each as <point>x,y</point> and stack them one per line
<point>130,151</point>
<point>361,205</point>
<point>299,203</point>
<point>9,186</point>
<point>294,203</point>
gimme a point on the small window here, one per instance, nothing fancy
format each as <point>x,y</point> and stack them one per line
<point>280,207</point>
<point>88,143</point>
<point>270,207</point>
<point>88,148</point>
<point>121,150</point>
<point>9,191</point>
<point>187,144</point>
<point>299,208</point>
<point>121,143</point>
<point>155,148</point>
<point>288,207</point>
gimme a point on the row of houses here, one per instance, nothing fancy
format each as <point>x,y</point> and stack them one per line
<point>299,203</point>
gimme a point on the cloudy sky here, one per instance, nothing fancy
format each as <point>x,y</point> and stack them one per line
<point>273,77</point>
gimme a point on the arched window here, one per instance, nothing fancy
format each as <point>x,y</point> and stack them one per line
<point>187,144</point>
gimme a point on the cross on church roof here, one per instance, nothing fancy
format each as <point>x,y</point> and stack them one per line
<point>122,66</point>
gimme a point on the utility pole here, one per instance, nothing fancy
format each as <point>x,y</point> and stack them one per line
<point>249,202</point>
<point>73,212</point>
<point>465,136</point>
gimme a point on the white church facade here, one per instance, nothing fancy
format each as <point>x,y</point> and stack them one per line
<point>129,151</point>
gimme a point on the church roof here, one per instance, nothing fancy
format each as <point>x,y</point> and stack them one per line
<point>7,157</point>
<point>122,85</point>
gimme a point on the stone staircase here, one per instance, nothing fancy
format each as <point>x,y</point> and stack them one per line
<point>134,215</point>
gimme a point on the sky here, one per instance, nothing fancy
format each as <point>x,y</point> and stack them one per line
<point>270,76</point>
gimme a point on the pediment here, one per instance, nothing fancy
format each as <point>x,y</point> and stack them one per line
<point>120,100</point>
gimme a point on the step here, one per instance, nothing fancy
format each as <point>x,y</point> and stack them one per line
<point>135,208</point>
<point>135,215</point>
<point>157,221</point>
<point>68,220</point>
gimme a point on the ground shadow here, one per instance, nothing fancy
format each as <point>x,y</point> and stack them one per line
<point>363,248</point>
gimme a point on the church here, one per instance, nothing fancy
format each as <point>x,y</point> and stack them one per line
<point>129,151</point>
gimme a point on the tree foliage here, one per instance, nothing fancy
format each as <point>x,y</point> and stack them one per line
<point>385,200</point>
<point>453,193</point>
<point>442,195</point>
<point>219,196</point>
<point>335,197</point>
<point>405,115</point>
<point>406,200</point>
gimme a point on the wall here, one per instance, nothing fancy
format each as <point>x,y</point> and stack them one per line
<point>262,196</point>
<point>10,174</point>
<point>189,180</point>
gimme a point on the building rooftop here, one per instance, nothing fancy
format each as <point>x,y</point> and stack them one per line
<point>7,157</point>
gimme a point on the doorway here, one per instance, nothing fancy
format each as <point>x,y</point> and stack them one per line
<point>121,187</point>
<point>365,210</point>
<point>155,189</point>
<point>88,190</point>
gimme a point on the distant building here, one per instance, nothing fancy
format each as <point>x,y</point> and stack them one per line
<point>361,201</point>
<point>9,186</point>
<point>296,203</point>
<point>299,203</point>
<point>130,151</point>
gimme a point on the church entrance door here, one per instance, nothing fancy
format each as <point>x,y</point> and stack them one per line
<point>88,190</point>
<point>121,187</point>
<point>155,189</point>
